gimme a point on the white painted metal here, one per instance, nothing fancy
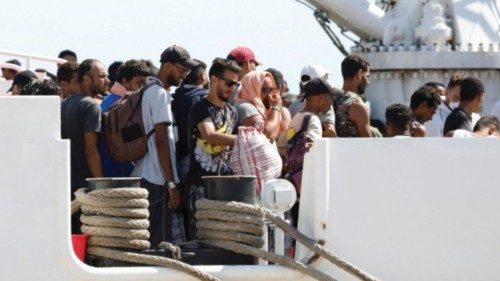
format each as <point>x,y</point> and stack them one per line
<point>407,209</point>
<point>278,195</point>
<point>471,21</point>
<point>346,13</point>
<point>279,239</point>
<point>421,41</point>
<point>29,57</point>
<point>4,85</point>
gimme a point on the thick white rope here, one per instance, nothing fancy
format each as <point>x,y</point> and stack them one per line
<point>118,218</point>
<point>236,209</point>
<point>114,219</point>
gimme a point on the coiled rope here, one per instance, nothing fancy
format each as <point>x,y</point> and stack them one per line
<point>118,218</point>
<point>249,240</point>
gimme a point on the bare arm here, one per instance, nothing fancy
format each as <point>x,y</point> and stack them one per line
<point>162,146</point>
<point>359,115</point>
<point>92,156</point>
<point>271,125</point>
<point>212,137</point>
<point>329,130</point>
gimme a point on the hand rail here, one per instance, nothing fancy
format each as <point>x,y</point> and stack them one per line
<point>30,57</point>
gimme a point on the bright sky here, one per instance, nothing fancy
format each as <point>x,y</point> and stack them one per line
<point>282,33</point>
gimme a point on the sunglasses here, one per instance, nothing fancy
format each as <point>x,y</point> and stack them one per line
<point>184,70</point>
<point>229,83</point>
<point>268,90</point>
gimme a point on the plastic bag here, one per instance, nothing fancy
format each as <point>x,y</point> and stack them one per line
<point>254,154</point>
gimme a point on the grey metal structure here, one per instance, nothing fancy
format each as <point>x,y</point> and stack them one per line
<point>411,42</point>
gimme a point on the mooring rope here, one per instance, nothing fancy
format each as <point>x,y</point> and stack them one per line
<point>118,218</point>
<point>230,240</point>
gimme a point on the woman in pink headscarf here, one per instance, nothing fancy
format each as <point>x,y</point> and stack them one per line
<point>257,101</point>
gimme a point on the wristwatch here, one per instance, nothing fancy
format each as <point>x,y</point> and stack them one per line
<point>170,184</point>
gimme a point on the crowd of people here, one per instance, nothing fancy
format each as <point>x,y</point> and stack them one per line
<point>192,129</point>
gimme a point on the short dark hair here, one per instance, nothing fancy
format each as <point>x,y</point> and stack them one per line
<point>219,65</point>
<point>455,80</point>
<point>113,71</point>
<point>352,64</point>
<point>426,94</point>
<point>398,115</point>
<point>277,75</point>
<point>14,61</point>
<point>84,68</point>
<point>487,121</point>
<point>471,88</point>
<point>192,77</point>
<point>41,88</point>
<point>434,84</point>
<point>64,53</point>
<point>130,69</point>
<point>153,70</point>
<point>66,70</point>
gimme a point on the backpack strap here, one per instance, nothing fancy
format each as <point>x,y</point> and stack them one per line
<point>149,83</point>
<point>303,128</point>
<point>305,122</point>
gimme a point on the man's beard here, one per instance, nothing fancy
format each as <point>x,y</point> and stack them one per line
<point>220,95</point>
<point>98,91</point>
<point>361,88</point>
<point>173,81</point>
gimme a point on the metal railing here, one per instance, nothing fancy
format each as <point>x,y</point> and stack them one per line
<point>30,57</point>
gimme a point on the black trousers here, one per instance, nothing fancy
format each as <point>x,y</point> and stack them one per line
<point>160,217</point>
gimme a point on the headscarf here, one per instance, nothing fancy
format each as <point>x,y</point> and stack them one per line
<point>251,85</point>
<point>250,91</point>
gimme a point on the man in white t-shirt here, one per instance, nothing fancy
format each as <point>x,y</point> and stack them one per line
<point>327,119</point>
<point>318,99</point>
<point>157,167</point>
<point>435,126</point>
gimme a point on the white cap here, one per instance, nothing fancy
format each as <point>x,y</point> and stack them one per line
<point>314,71</point>
<point>15,67</point>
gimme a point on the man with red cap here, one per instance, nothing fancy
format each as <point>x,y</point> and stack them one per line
<point>245,58</point>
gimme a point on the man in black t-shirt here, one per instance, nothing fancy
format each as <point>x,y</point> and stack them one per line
<point>81,123</point>
<point>212,122</point>
<point>471,100</point>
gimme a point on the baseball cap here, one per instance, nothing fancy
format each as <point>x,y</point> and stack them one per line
<point>317,86</point>
<point>177,54</point>
<point>23,78</point>
<point>313,71</point>
<point>242,54</point>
